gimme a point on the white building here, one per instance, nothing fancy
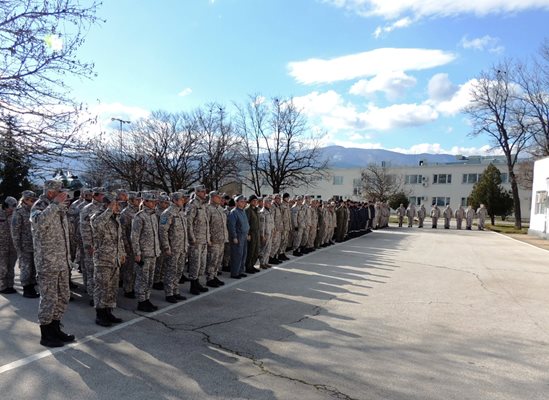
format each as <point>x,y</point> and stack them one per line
<point>441,183</point>
<point>539,216</point>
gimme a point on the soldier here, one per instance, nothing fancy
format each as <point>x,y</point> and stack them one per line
<point>469,216</point>
<point>174,243</point>
<point>411,214</point>
<point>50,231</point>
<point>459,214</point>
<point>146,248</point>
<point>163,204</point>
<point>229,205</point>
<point>122,197</point>
<point>87,237</point>
<point>400,212</point>
<point>79,253</point>
<point>266,227</point>
<point>482,212</point>
<point>276,234</point>
<point>127,269</point>
<point>298,225</point>
<point>219,235</point>
<point>108,256</point>
<point>252,250</point>
<point>199,238</point>
<point>314,226</point>
<point>22,240</point>
<point>435,215</point>
<point>238,227</point>
<point>447,214</point>
<point>8,255</point>
<point>421,213</point>
<point>377,215</point>
<point>286,227</point>
<point>306,220</point>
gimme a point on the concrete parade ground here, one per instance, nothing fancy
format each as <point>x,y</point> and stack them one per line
<point>401,313</point>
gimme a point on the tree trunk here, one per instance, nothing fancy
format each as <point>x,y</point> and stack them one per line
<point>516,198</point>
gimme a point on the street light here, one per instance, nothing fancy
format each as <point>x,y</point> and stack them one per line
<point>121,121</point>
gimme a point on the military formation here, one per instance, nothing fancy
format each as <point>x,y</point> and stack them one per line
<point>129,243</point>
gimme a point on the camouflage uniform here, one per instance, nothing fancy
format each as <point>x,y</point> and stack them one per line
<point>199,236</point>
<point>50,231</point>
<point>252,249</point>
<point>109,251</point>
<point>8,255</point>
<point>314,227</point>
<point>276,235</point>
<point>217,220</point>
<point>127,270</point>
<point>173,240</point>
<point>73,216</point>
<point>160,266</point>
<point>87,243</point>
<point>145,244</point>
<point>306,217</point>
<point>298,224</point>
<point>22,240</point>
<point>321,232</point>
<point>266,228</point>
<point>286,226</point>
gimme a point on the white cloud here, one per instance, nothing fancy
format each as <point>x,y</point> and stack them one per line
<point>436,148</point>
<point>459,100</point>
<point>104,112</point>
<point>440,87</point>
<point>369,63</point>
<point>401,23</point>
<point>392,83</point>
<point>185,92</point>
<point>485,43</point>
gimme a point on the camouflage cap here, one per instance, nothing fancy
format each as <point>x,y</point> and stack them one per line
<point>200,188</point>
<point>177,196</point>
<point>214,193</point>
<point>268,199</point>
<point>163,197</point>
<point>10,202</point>
<point>148,196</point>
<point>240,197</point>
<point>99,190</point>
<point>53,184</point>
<point>299,197</point>
<point>28,194</point>
<point>134,195</point>
<point>121,191</point>
<point>87,191</point>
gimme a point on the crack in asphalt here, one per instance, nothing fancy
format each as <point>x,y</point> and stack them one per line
<point>167,326</point>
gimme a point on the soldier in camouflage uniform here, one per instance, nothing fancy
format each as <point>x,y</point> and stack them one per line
<point>306,210</point>
<point>173,241</point>
<point>287,227</point>
<point>276,235</point>
<point>163,204</point>
<point>266,228</point>
<point>199,238</point>
<point>127,270</point>
<point>217,220</point>
<point>298,225</point>
<point>122,197</point>
<point>50,232</point>
<point>87,237</point>
<point>314,226</point>
<point>79,256</point>
<point>146,248</point>
<point>108,255</point>
<point>8,255</point>
<point>22,241</point>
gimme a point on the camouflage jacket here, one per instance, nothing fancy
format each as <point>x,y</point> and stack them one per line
<point>144,234</point>
<point>6,243</point>
<point>85,222</point>
<point>266,222</point>
<point>126,218</point>
<point>173,230</point>
<point>217,220</point>
<point>197,222</point>
<point>21,229</point>
<point>107,238</point>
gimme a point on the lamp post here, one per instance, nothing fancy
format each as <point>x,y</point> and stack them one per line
<point>121,121</point>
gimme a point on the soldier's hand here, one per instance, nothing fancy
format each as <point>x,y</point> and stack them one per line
<point>122,260</point>
<point>60,198</point>
<point>137,259</point>
<point>168,252</point>
<point>235,241</point>
<point>249,237</point>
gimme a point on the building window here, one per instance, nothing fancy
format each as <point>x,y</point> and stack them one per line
<point>442,178</point>
<point>357,191</point>
<point>357,182</point>
<point>504,177</point>
<point>440,201</point>
<point>412,179</point>
<point>541,202</point>
<point>471,178</point>
<point>464,201</point>
<point>338,180</point>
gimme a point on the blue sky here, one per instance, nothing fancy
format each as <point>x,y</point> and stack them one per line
<point>367,73</point>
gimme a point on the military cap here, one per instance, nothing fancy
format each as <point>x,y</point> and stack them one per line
<point>86,191</point>
<point>285,195</point>
<point>53,184</point>
<point>268,199</point>
<point>148,196</point>
<point>121,191</point>
<point>163,197</point>
<point>10,202</point>
<point>241,197</point>
<point>214,193</point>
<point>299,197</point>
<point>200,188</point>
<point>99,190</point>
<point>28,194</point>
<point>276,195</point>
<point>252,197</point>
<point>134,195</point>
<point>176,196</point>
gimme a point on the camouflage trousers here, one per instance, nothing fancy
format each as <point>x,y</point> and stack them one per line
<point>312,237</point>
<point>275,243</point>
<point>27,271</point>
<point>144,278</point>
<point>226,255</point>
<point>459,222</point>
<point>106,286</point>
<point>215,258</point>
<point>298,235</point>
<point>7,268</point>
<point>87,265</point>
<point>283,241</point>
<point>127,270</point>
<point>159,268</point>
<point>83,271</point>
<point>329,234</point>
<point>175,263</point>
<point>198,254</point>
<point>54,295</point>
<point>290,238</point>
<point>319,239</point>
<point>304,236</point>
<point>265,250</point>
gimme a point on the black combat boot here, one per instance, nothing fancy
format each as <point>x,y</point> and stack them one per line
<point>179,297</point>
<point>64,337</point>
<point>8,290</point>
<point>29,292</point>
<point>151,305</point>
<point>129,295</point>
<point>200,287</point>
<point>297,253</point>
<point>219,282</point>
<point>158,286</point>
<point>171,299</point>
<point>194,288</point>
<point>114,319</point>
<point>212,283</point>
<point>183,279</point>
<point>101,317</point>
<point>144,306</point>
<point>49,337</point>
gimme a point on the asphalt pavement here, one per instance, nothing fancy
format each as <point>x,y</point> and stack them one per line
<point>400,313</point>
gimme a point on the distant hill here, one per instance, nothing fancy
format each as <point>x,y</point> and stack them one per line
<point>343,157</point>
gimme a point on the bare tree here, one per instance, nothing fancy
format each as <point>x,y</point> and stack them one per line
<point>38,43</point>
<point>378,184</point>
<point>219,149</point>
<point>280,148</point>
<point>497,111</point>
